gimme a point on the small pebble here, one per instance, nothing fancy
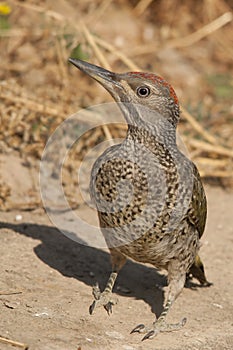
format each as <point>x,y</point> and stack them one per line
<point>219,306</point>
<point>123,290</point>
<point>119,41</point>
<point>115,335</point>
<point>127,347</point>
<point>18,217</point>
<point>11,305</point>
<point>159,287</point>
<point>89,339</point>
<point>41,314</point>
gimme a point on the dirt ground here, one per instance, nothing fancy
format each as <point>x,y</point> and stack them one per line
<point>46,278</point>
<point>46,281</point>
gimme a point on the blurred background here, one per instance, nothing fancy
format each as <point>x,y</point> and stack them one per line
<point>190,43</point>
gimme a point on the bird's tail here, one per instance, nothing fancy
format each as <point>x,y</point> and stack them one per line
<point>197,271</point>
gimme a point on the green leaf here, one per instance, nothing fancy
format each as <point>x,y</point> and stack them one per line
<point>79,53</point>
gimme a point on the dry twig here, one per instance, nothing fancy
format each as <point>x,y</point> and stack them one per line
<point>142,6</point>
<point>206,147</point>
<point>10,293</point>
<point>202,32</point>
<point>197,126</point>
<point>128,62</point>
<point>14,343</point>
<point>190,39</point>
<point>90,39</point>
<point>61,61</point>
<point>98,13</point>
<point>30,104</point>
<point>215,173</point>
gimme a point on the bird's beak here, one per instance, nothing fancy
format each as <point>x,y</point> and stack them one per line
<point>106,78</point>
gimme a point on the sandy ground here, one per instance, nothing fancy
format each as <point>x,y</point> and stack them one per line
<point>46,281</point>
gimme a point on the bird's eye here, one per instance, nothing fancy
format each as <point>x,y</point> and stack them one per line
<point>143,91</point>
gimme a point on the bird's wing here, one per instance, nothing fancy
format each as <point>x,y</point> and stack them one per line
<point>198,207</point>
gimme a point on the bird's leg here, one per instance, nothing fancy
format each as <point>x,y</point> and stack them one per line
<point>175,286</point>
<point>106,299</point>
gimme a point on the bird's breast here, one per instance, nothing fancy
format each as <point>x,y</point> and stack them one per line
<point>135,191</point>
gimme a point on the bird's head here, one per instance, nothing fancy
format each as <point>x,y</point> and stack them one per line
<point>144,98</point>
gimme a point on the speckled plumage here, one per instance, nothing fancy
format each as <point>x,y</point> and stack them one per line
<point>150,200</point>
<point>150,240</point>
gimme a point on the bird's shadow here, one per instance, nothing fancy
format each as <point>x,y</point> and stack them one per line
<point>89,265</point>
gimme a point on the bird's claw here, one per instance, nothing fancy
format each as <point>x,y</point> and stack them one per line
<point>104,299</point>
<point>108,307</point>
<point>91,308</point>
<point>158,326</point>
<point>183,321</point>
<point>140,328</point>
<point>151,334</point>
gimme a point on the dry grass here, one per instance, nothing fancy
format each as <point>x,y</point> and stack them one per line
<point>39,90</point>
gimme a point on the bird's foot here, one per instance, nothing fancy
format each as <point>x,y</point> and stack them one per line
<point>158,326</point>
<point>105,299</point>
